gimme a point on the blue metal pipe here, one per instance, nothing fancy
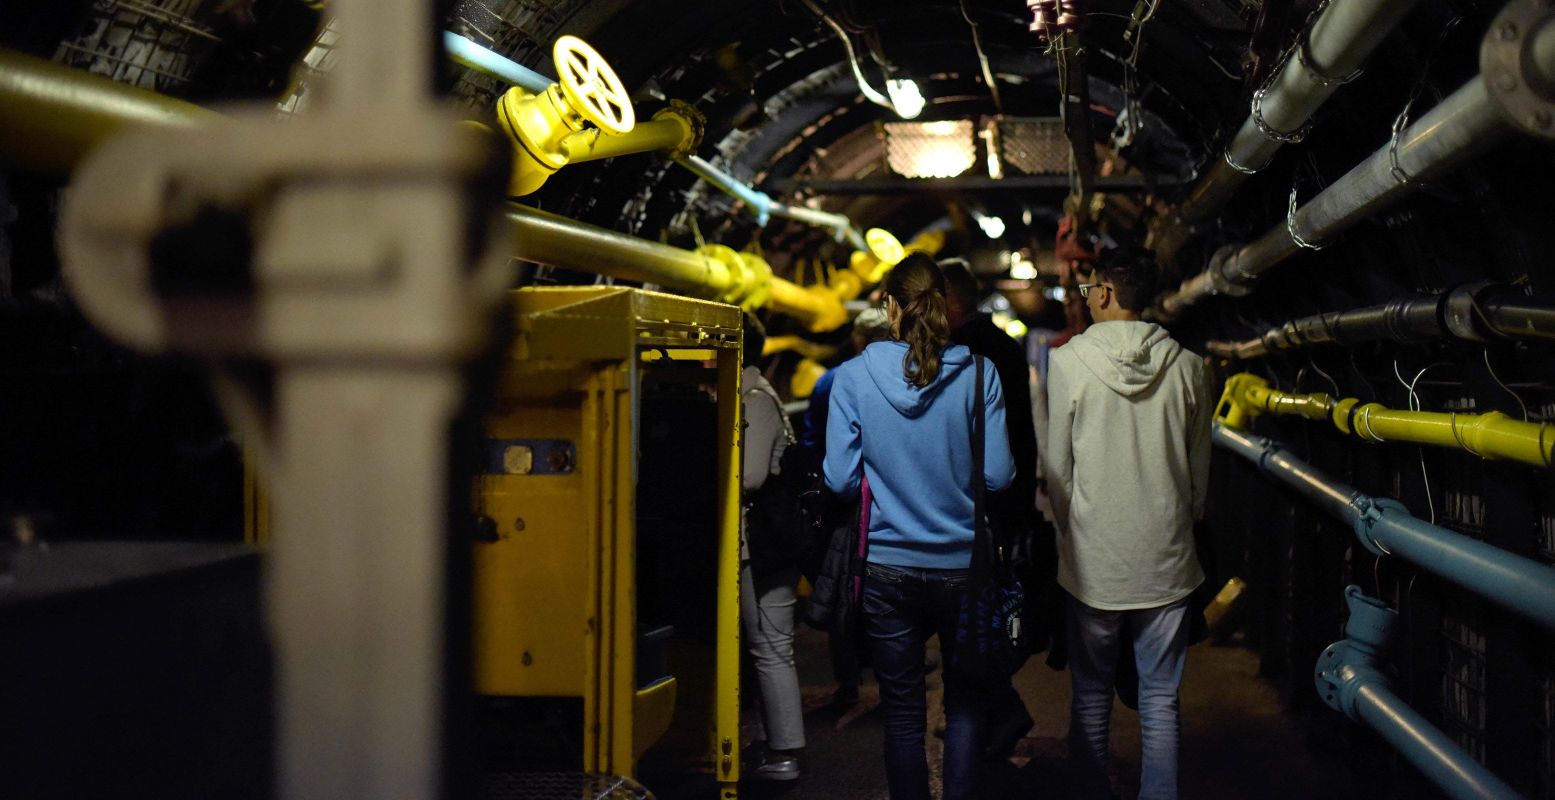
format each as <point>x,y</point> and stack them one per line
<point>1386,527</point>
<point>469,54</point>
<point>1350,679</point>
<point>759,203</point>
<point>1430,750</point>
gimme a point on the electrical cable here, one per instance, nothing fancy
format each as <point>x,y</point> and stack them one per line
<point>1504,388</point>
<point>982,59</point>
<point>858,73</point>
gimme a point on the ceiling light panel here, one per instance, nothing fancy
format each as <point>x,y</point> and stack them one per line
<point>939,149</point>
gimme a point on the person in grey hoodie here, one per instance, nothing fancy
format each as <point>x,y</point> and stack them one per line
<point>1127,462</point>
<point>901,415</point>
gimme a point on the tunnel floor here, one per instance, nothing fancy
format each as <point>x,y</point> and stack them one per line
<point>1238,740</point>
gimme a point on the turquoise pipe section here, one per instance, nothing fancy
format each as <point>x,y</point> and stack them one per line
<point>1351,678</point>
<point>760,203</point>
<point>465,52</point>
<point>1386,527</point>
<point>1431,751</point>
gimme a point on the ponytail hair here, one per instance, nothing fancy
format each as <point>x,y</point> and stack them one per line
<point>918,287</point>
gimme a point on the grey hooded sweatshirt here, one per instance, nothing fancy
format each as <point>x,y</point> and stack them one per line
<point>1127,462</point>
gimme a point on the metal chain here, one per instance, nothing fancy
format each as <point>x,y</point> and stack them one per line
<point>1304,55</point>
<point>1290,225</point>
<point>1238,167</point>
<point>1284,137</point>
<point>1399,123</point>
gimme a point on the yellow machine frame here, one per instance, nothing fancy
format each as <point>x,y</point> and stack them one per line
<point>555,594</point>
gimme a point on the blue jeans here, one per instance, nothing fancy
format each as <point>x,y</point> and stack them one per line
<point>903,607</point>
<point>1160,650</point>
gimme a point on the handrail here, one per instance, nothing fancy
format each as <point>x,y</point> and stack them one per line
<point>1491,435</point>
<point>1385,527</point>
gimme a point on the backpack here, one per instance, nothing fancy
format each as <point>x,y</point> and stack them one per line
<point>782,517</point>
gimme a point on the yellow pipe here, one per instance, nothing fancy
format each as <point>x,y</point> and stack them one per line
<point>677,129</point>
<point>1491,435</point>
<point>51,115</point>
<point>811,350</point>
<point>816,305</point>
<point>713,272</point>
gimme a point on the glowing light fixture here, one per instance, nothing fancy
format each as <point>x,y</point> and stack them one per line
<point>1015,328</point>
<point>993,227</point>
<point>940,149</point>
<point>1023,270</point>
<point>905,96</point>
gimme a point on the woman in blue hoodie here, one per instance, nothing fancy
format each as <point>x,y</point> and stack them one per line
<point>901,417</point>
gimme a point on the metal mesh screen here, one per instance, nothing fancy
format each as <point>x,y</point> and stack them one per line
<point>319,60</point>
<point>1033,146</point>
<point>522,30</point>
<point>1463,684</point>
<point>560,786</point>
<point>942,149</point>
<point>153,44</point>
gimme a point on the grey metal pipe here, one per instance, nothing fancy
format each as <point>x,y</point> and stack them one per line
<point>1431,751</point>
<point>1471,313</point>
<point>1459,128</point>
<point>1385,527</point>
<point>1339,42</point>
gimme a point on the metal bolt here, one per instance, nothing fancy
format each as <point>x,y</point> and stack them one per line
<point>1508,31</point>
<point>518,524</point>
<point>1505,81</point>
<point>560,460</point>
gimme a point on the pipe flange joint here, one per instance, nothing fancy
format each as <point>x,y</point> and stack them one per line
<point>697,123</point>
<point>1352,663</point>
<point>1228,259</point>
<point>1339,675</point>
<point>1462,315</point>
<point>1517,63</point>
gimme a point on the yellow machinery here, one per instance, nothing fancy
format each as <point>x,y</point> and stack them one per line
<point>1492,435</point>
<point>609,514</point>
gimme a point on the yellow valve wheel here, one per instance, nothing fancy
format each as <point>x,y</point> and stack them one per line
<point>592,87</point>
<point>884,246</point>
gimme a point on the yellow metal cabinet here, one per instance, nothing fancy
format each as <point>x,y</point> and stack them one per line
<point>556,590</point>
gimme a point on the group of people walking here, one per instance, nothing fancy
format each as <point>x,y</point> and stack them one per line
<point>1124,454</point>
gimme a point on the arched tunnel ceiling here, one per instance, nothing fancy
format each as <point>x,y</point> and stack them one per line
<point>783,109</point>
<point>775,85</point>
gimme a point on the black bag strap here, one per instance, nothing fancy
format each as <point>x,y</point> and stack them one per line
<point>983,556</point>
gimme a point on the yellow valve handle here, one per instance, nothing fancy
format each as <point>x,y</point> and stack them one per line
<point>884,246</point>
<point>592,87</point>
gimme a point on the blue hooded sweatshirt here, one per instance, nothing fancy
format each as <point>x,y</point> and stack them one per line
<point>915,446</point>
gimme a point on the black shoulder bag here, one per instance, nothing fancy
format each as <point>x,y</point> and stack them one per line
<point>990,644</point>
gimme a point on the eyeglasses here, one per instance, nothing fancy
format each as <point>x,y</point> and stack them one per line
<point>1085,288</point>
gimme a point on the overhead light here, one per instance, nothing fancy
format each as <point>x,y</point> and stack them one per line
<point>1023,270</point>
<point>905,96</point>
<point>993,227</point>
<point>1015,328</point>
<point>940,149</point>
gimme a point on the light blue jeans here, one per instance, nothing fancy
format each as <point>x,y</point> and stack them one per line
<point>767,610</point>
<point>1160,649</point>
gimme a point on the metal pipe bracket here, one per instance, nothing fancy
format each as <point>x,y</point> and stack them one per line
<point>1353,662</point>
